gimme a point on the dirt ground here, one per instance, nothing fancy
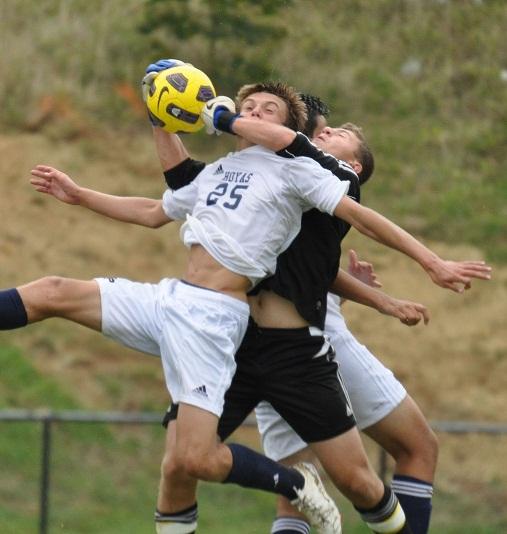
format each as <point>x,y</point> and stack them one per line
<point>456,367</point>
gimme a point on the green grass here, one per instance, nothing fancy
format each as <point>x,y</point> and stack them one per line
<point>104,478</point>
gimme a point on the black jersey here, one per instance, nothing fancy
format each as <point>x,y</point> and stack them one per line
<point>307,268</point>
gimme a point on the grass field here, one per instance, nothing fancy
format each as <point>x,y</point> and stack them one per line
<point>104,477</point>
<point>427,82</point>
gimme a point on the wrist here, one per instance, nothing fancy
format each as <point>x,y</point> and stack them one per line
<point>431,263</point>
<point>223,120</point>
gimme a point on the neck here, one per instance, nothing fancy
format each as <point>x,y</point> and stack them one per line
<point>243,143</point>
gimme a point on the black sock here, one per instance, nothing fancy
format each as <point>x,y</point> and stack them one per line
<point>12,310</point>
<point>253,470</point>
<point>415,498</point>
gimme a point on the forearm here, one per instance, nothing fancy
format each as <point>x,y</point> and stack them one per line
<point>136,210</point>
<point>348,287</point>
<point>170,149</point>
<point>381,229</point>
<point>267,134</point>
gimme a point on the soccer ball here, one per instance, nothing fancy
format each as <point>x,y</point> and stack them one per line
<point>176,97</point>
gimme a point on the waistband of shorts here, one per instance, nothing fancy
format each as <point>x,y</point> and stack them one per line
<point>303,330</point>
<point>211,294</point>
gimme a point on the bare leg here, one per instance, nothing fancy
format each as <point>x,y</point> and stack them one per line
<point>407,437</point>
<point>177,490</point>
<point>344,460</point>
<point>53,296</point>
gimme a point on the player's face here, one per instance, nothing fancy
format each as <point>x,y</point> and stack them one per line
<point>320,124</point>
<point>339,142</point>
<point>265,106</point>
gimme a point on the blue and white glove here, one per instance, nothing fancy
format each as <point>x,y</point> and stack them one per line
<point>218,114</point>
<point>163,64</point>
<point>152,71</point>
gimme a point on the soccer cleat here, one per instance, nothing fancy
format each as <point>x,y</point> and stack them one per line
<point>313,501</point>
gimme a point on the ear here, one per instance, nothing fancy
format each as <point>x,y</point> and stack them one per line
<point>356,166</point>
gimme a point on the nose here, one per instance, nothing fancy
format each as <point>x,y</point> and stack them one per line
<point>326,130</point>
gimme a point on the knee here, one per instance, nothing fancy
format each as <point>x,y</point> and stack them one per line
<point>425,447</point>
<point>172,469</point>
<point>431,446</point>
<point>197,466</point>
<point>52,290</point>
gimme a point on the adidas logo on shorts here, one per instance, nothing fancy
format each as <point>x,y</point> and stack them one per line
<point>201,390</point>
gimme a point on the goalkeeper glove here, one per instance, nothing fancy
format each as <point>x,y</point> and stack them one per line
<point>218,114</point>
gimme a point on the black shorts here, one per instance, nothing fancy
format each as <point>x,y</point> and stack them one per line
<point>295,372</point>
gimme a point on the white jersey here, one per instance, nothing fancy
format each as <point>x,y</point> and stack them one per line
<point>335,321</point>
<point>245,209</point>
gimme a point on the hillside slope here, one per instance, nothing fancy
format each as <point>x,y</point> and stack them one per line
<point>456,367</point>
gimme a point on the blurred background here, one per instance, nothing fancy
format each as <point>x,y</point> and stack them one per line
<point>427,81</point>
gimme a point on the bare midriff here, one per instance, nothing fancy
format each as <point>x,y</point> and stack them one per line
<point>203,270</point>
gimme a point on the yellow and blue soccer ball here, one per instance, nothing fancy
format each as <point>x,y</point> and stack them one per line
<point>176,97</point>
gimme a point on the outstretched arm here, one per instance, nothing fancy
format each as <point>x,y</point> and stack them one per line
<point>267,134</point>
<point>448,274</point>
<point>219,115</point>
<point>349,287</point>
<point>170,149</point>
<point>137,210</point>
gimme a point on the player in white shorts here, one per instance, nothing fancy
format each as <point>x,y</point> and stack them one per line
<point>182,169</point>
<point>227,255</point>
<point>381,405</point>
<point>373,390</point>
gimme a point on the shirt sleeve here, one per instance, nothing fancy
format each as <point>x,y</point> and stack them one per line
<point>302,146</point>
<point>177,204</point>
<point>316,186</point>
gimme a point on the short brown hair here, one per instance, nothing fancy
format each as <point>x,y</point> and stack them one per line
<point>296,116</point>
<point>364,154</point>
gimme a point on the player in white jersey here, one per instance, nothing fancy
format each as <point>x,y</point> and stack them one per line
<point>204,324</point>
<point>181,169</point>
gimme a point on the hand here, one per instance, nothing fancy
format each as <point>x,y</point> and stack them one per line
<point>409,313</point>
<point>163,64</point>
<point>211,111</point>
<point>457,275</point>
<point>56,183</point>
<point>362,270</point>
<point>153,70</point>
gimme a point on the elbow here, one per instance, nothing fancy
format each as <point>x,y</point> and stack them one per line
<point>156,223</point>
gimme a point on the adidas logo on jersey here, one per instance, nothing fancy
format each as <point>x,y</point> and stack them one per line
<point>201,390</point>
<point>219,170</point>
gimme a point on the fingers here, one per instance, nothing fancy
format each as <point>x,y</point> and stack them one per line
<point>43,171</point>
<point>482,272</point>
<point>412,314</point>
<point>39,182</point>
<point>353,260</point>
<point>424,313</point>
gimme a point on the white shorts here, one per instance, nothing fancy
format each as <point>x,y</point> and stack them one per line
<point>197,332</point>
<point>373,390</point>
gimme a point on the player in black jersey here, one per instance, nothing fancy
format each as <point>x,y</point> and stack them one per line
<point>296,375</point>
<point>291,364</point>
